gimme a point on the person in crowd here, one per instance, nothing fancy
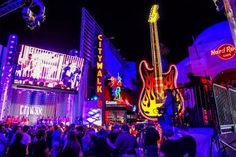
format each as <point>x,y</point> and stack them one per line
<point>49,132</point>
<point>79,133</point>
<point>169,108</point>
<point>101,148</point>
<point>26,139</point>
<point>71,147</point>
<point>40,148</point>
<point>193,80</point>
<point>56,135</point>
<point>87,141</point>
<point>17,149</point>
<point>140,136</point>
<point>115,131</point>
<point>125,143</point>
<point>3,141</point>
<point>16,129</point>
<point>179,148</point>
<point>151,138</point>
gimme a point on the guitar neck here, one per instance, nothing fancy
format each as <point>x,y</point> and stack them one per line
<point>155,48</point>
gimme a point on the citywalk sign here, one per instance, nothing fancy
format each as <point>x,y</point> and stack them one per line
<point>225,51</point>
<point>99,81</point>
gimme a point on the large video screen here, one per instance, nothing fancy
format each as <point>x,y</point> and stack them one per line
<point>44,69</point>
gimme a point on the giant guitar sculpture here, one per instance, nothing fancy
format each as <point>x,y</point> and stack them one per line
<point>154,81</point>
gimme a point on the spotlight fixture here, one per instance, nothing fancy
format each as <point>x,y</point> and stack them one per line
<point>32,18</point>
<point>219,5</point>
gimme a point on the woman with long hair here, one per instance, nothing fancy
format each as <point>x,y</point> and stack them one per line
<point>17,149</point>
<point>71,147</point>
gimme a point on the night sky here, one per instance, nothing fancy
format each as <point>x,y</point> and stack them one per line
<point>126,20</point>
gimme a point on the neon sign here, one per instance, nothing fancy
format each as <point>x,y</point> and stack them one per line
<point>225,51</point>
<point>116,84</point>
<point>99,81</point>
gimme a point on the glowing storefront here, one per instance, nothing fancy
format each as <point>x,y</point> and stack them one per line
<point>212,54</point>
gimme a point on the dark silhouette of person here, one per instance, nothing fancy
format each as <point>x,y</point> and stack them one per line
<point>115,132</point>
<point>71,147</point>
<point>17,149</point>
<point>169,106</point>
<point>151,138</point>
<point>125,143</point>
<point>193,80</point>
<point>180,147</point>
<point>40,147</point>
<point>195,114</point>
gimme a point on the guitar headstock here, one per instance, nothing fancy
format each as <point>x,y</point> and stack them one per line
<point>153,16</point>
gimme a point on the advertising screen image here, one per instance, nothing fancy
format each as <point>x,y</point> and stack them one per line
<point>47,69</point>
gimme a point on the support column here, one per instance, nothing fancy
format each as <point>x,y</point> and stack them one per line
<point>7,73</point>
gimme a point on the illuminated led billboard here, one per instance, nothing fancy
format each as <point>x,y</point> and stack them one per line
<point>39,68</point>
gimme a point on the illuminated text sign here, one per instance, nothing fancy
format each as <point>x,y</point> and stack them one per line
<point>99,83</point>
<point>37,110</point>
<point>225,51</point>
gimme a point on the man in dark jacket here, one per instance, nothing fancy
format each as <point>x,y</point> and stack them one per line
<point>151,138</point>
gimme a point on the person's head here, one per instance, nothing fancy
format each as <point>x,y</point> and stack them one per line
<point>71,136</point>
<point>30,56</point>
<point>72,126</point>
<point>55,127</point>
<point>116,127</point>
<point>168,92</point>
<point>18,129</point>
<point>2,128</point>
<point>125,128</point>
<point>25,128</point>
<point>101,133</point>
<point>18,138</point>
<point>190,75</point>
<point>79,128</point>
<point>41,134</point>
<point>150,123</point>
<point>92,132</point>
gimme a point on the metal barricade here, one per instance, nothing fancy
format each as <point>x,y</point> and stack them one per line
<point>232,101</point>
<point>223,108</point>
<point>225,100</point>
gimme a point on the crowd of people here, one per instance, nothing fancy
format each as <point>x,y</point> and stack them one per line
<point>121,140</point>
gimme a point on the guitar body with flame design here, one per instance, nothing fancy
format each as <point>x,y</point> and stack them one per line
<point>150,100</point>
